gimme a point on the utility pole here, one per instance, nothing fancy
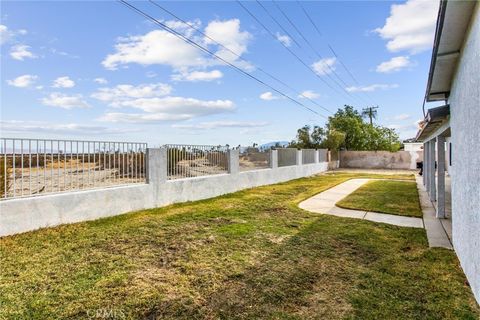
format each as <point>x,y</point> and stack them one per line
<point>370,112</point>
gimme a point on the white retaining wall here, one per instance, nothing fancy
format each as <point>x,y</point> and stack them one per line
<point>27,214</point>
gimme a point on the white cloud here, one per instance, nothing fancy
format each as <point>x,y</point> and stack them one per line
<point>184,28</point>
<point>15,126</point>
<point>124,92</point>
<point>371,88</point>
<point>394,64</point>
<point>402,127</point>
<point>228,34</point>
<point>21,51</point>
<point>324,66</point>
<point>410,26</point>
<point>221,124</point>
<point>283,38</point>
<point>64,101</point>
<point>180,105</point>
<point>150,74</point>
<point>309,94</point>
<point>405,130</point>
<point>24,81</point>
<point>120,117</point>
<point>268,96</point>
<point>63,82</point>
<point>100,80</point>
<point>161,47</point>
<point>403,116</point>
<point>155,47</point>
<point>168,108</point>
<point>153,99</point>
<point>63,53</point>
<point>197,75</point>
<point>6,35</point>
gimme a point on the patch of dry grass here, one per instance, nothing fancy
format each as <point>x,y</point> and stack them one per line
<point>248,255</point>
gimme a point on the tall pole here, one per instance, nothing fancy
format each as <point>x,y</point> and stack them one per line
<point>371,112</point>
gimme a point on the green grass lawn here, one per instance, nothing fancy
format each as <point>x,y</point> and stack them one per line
<point>248,255</point>
<point>394,197</point>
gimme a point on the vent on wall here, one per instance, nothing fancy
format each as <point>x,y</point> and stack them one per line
<point>450,154</point>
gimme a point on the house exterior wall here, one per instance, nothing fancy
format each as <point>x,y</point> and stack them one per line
<point>465,137</point>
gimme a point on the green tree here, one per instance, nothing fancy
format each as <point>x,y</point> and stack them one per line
<point>334,140</point>
<point>308,138</point>
<point>382,138</point>
<point>347,129</point>
<point>350,122</point>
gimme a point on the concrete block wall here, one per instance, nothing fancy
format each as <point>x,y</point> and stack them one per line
<point>27,214</point>
<point>406,160</point>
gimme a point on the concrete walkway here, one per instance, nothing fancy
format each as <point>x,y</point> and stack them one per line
<point>436,232</point>
<point>325,203</point>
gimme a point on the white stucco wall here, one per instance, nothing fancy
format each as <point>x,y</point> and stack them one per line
<point>465,120</point>
<point>27,214</point>
<point>405,160</point>
<point>413,146</point>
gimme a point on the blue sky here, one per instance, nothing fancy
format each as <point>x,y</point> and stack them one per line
<point>99,71</point>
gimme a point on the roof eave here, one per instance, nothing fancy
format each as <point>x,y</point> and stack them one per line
<point>434,119</point>
<point>436,43</point>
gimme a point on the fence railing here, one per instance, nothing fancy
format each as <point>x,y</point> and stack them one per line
<point>187,161</point>
<point>251,158</point>
<point>30,167</point>
<point>308,156</point>
<point>287,157</point>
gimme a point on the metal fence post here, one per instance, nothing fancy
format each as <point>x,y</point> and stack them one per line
<point>233,161</point>
<point>299,158</point>
<point>317,156</point>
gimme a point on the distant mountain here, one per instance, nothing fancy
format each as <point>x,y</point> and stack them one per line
<point>273,144</point>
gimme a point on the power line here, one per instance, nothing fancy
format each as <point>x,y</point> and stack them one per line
<point>237,55</point>
<point>330,69</point>
<point>279,25</point>
<point>304,38</point>
<point>330,47</point>
<point>287,48</point>
<point>193,43</point>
